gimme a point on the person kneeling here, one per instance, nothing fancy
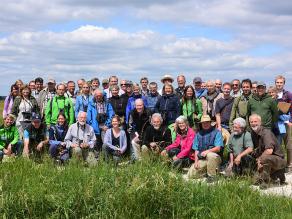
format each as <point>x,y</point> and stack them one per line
<point>9,136</point>
<point>80,138</point>
<point>180,150</point>
<point>207,145</point>
<point>156,137</point>
<point>35,139</point>
<point>115,141</point>
<point>239,146</point>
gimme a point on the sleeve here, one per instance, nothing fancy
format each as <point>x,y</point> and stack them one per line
<point>26,135</point>
<point>218,142</point>
<point>195,146</point>
<point>274,109</point>
<point>107,140</point>
<point>110,114</point>
<point>128,110</point>
<point>5,107</point>
<point>178,107</point>
<point>185,152</point>
<point>233,111</point>
<point>92,138</point>
<point>268,140</point>
<point>157,105</point>
<point>248,113</point>
<point>217,106</point>
<point>146,137</point>
<point>68,138</point>
<point>71,112</point>
<point>199,108</point>
<point>248,140</point>
<point>131,125</point>
<point>15,106</point>
<point>167,136</point>
<point>89,114</point>
<point>229,144</point>
<point>175,144</point>
<point>124,141</point>
<point>77,106</point>
<point>36,108</point>
<point>145,101</point>
<point>15,136</point>
<point>48,112</point>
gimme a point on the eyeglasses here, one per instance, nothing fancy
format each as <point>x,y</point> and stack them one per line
<point>123,85</point>
<point>235,85</point>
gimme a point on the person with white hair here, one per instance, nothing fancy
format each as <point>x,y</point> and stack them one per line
<point>239,146</point>
<point>180,150</point>
<point>157,136</point>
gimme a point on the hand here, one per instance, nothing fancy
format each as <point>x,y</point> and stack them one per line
<point>63,144</point>
<point>163,153</point>
<point>219,128</point>
<point>84,145</point>
<point>204,153</point>
<point>6,151</point>
<point>104,128</point>
<point>74,145</point>
<point>40,146</point>
<point>175,158</point>
<point>260,166</point>
<point>289,124</point>
<point>237,160</point>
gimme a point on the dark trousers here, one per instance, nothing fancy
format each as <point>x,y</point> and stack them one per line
<point>181,162</point>
<point>247,163</point>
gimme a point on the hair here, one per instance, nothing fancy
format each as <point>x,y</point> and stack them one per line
<point>11,116</point>
<point>254,82</point>
<point>70,82</point>
<point>240,121</point>
<point>24,88</point>
<point>62,114</point>
<point>114,87</point>
<point>181,76</point>
<point>226,83</point>
<point>79,113</point>
<point>157,115</point>
<point>144,78</point>
<point>94,79</point>
<point>136,86</point>
<point>255,116</point>
<point>179,120</point>
<point>246,81</point>
<point>210,82</point>
<point>184,97</point>
<point>113,76</point>
<point>154,84</point>
<point>272,88</point>
<point>170,85</point>
<point>39,80</point>
<point>139,99</point>
<point>19,81</point>
<point>117,117</point>
<point>280,77</point>
<point>60,85</point>
<point>13,86</point>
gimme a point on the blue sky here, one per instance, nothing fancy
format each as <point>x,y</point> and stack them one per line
<point>84,38</point>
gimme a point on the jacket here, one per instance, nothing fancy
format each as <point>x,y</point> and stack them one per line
<point>162,135</point>
<point>139,122</point>
<point>16,104</point>
<point>57,104</point>
<point>131,104</point>
<point>8,103</point>
<point>57,134</point>
<point>189,108</point>
<point>266,107</point>
<point>8,135</point>
<point>81,104</point>
<point>169,107</point>
<point>119,105</point>
<point>185,144</point>
<point>44,98</point>
<point>92,115</point>
<point>123,140</point>
<point>287,97</point>
<point>152,100</point>
<point>239,109</point>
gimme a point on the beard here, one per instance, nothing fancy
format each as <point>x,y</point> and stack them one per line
<point>81,123</point>
<point>255,128</point>
<point>237,132</point>
<point>156,127</point>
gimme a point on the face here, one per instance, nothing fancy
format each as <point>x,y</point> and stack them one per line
<point>85,89</point>
<point>254,88</point>
<point>25,92</point>
<point>80,84</point>
<point>206,125</point>
<point>36,123</point>
<point>181,81</point>
<point>167,89</point>
<point>129,88</point>
<point>156,122</point>
<point>95,84</point>
<point>246,89</point>
<point>261,90</point>
<point>280,84</point>
<point>255,123</point>
<point>19,84</point>
<point>211,88</point>
<point>71,87</point>
<point>190,92</point>
<point>115,92</point>
<point>235,86</point>
<point>144,84</point>
<point>237,130</point>
<point>136,90</point>
<point>123,85</point>
<point>113,81</point>
<point>105,86</point>
<point>61,120</point>
<point>139,106</point>
<point>38,86</point>
<point>226,90</point>
<point>32,86</point>
<point>182,126</point>
<point>153,89</point>
<point>8,121</point>
<point>204,85</point>
<point>51,86</point>
<point>198,85</point>
<point>115,123</point>
<point>82,118</point>
<point>218,84</point>
<point>99,96</point>
<point>14,92</point>
<point>273,94</point>
<point>61,90</point>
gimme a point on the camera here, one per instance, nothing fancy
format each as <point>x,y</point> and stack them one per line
<point>80,142</point>
<point>101,118</point>
<point>26,115</point>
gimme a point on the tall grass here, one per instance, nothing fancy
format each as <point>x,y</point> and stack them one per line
<point>142,190</point>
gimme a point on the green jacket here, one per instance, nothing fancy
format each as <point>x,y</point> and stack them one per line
<point>17,101</point>
<point>239,109</point>
<point>8,136</point>
<point>264,106</point>
<point>193,110</point>
<point>57,104</point>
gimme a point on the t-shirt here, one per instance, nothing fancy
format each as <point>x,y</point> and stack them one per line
<point>238,143</point>
<point>205,137</point>
<point>224,107</point>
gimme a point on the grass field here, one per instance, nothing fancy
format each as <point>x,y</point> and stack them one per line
<point>147,189</point>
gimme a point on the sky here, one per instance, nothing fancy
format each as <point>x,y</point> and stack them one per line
<point>72,39</point>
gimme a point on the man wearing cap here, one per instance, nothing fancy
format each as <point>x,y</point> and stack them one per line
<point>181,82</point>
<point>35,138</point>
<point>208,145</point>
<point>58,104</point>
<point>46,95</point>
<point>9,137</point>
<point>167,79</point>
<point>200,92</point>
<point>105,84</point>
<point>263,105</point>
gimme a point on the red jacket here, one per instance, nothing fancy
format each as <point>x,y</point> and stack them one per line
<point>185,144</point>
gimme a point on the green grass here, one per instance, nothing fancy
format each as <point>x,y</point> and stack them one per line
<point>142,190</point>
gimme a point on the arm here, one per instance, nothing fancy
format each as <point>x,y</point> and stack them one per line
<point>110,114</point>
<point>15,106</point>
<point>123,147</point>
<point>199,108</point>
<point>26,143</point>
<point>275,112</point>
<point>68,138</point>
<point>77,106</point>
<point>178,107</point>
<point>233,112</point>
<point>5,107</point>
<point>128,110</point>
<point>107,140</point>
<point>48,112</point>
<point>89,114</point>
<point>71,112</point>
<point>92,139</point>
<point>204,105</point>
<point>185,151</point>
<point>175,144</point>
<point>218,121</point>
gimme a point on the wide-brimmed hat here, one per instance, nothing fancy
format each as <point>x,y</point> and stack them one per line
<point>205,118</point>
<point>167,77</point>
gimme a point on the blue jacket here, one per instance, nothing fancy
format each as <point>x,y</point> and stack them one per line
<point>131,104</point>
<point>152,100</point>
<point>57,134</point>
<point>92,115</point>
<point>201,93</point>
<point>169,107</point>
<point>81,104</point>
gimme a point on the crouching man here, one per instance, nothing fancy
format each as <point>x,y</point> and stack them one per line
<point>269,155</point>
<point>240,146</point>
<point>207,145</point>
<point>80,139</point>
<point>35,139</point>
<point>9,136</point>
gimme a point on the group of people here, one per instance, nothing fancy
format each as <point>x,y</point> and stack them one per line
<point>239,125</point>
